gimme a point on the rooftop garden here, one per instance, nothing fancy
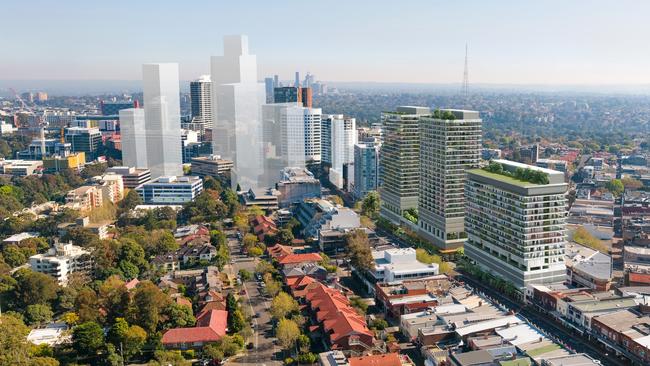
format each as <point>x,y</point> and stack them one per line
<point>446,115</point>
<point>525,175</point>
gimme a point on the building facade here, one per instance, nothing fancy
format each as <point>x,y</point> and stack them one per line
<point>516,228</point>
<point>339,135</point>
<point>450,143</point>
<point>366,169</point>
<point>86,140</point>
<point>61,261</point>
<point>173,190</point>
<point>400,161</point>
<point>201,101</point>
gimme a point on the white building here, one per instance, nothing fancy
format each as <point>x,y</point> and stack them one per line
<point>339,135</point>
<point>162,119</point>
<point>450,143</point>
<point>134,137</point>
<point>516,227</point>
<point>173,190</point>
<point>62,260</point>
<point>237,98</point>
<point>52,334</point>
<point>6,128</point>
<point>201,101</point>
<point>398,264</point>
<point>291,138</point>
<point>20,167</point>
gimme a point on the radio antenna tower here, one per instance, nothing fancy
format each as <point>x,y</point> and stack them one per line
<point>465,87</point>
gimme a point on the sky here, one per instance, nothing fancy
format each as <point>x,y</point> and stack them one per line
<point>552,42</point>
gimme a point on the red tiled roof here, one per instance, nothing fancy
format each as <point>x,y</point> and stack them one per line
<point>184,301</point>
<point>388,359</point>
<point>211,326</point>
<point>301,258</point>
<point>131,284</point>
<point>298,285</point>
<point>279,251</point>
<point>334,311</point>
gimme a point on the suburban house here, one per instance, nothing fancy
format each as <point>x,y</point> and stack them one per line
<point>210,327</point>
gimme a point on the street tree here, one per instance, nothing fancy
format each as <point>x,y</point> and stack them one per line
<point>287,333</point>
<point>359,251</point>
<point>282,305</point>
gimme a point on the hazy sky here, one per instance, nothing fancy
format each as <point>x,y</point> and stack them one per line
<point>510,42</point>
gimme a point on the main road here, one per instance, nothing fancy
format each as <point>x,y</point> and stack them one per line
<point>264,343</point>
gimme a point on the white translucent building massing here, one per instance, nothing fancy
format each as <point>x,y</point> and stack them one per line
<point>162,119</point>
<point>237,99</point>
<point>516,228</point>
<point>134,137</point>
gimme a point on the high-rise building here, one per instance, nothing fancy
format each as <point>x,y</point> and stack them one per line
<point>400,161</point>
<point>306,97</point>
<point>515,221</point>
<point>86,140</point>
<point>113,108</point>
<point>201,101</point>
<point>134,137</point>
<point>276,82</point>
<point>268,87</point>
<point>291,138</point>
<point>292,94</point>
<point>338,137</point>
<point>287,94</point>
<point>237,101</point>
<point>162,119</point>
<point>450,143</point>
<point>366,169</point>
<point>297,81</point>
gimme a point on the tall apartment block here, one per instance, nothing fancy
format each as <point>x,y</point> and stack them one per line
<point>366,169</point>
<point>339,135</point>
<point>134,137</point>
<point>292,94</point>
<point>237,107</point>
<point>201,101</point>
<point>400,161</point>
<point>515,226</point>
<point>268,88</point>
<point>291,138</point>
<point>162,119</point>
<point>450,143</point>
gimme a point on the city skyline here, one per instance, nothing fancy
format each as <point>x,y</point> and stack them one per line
<point>509,43</point>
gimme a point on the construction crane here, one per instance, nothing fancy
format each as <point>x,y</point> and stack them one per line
<point>41,123</point>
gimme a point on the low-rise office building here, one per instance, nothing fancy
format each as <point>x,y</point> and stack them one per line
<point>268,199</point>
<point>399,264</point>
<point>20,168</point>
<point>57,163</point>
<point>297,185</point>
<point>170,190</point>
<point>131,177</point>
<point>213,166</point>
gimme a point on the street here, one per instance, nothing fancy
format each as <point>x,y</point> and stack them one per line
<point>264,347</point>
